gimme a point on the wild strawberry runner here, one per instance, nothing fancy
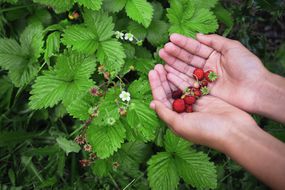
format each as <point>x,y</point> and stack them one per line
<point>184,101</point>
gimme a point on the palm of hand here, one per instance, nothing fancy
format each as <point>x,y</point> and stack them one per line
<point>208,125</point>
<point>238,69</point>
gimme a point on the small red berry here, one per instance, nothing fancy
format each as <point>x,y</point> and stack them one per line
<point>178,105</point>
<point>211,76</point>
<point>189,100</point>
<point>198,74</point>
<point>197,92</point>
<point>189,109</point>
<point>176,94</point>
<point>204,83</point>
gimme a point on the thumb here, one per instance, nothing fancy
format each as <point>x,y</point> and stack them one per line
<point>217,42</point>
<point>168,116</point>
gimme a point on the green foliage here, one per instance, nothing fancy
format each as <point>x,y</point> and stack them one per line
<point>67,145</point>
<point>186,18</point>
<point>105,140</point>
<point>179,160</point>
<point>21,59</point>
<point>65,82</point>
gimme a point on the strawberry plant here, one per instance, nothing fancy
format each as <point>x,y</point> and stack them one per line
<point>75,96</point>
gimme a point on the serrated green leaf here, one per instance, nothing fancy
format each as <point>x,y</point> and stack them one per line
<point>21,61</point>
<point>196,169</point>
<point>142,119</point>
<point>173,143</point>
<point>157,32</point>
<point>114,6</point>
<point>32,40</point>
<point>111,54</point>
<point>138,30</point>
<point>158,10</point>
<point>67,145</point>
<point>187,19</point>
<point>91,4</point>
<point>162,173</point>
<point>81,39</point>
<point>11,53</point>
<point>79,108</point>
<point>105,140</point>
<point>144,65</point>
<point>48,90</point>
<point>68,80</point>
<point>203,21</point>
<point>100,23</point>
<point>101,167</point>
<point>52,45</point>
<point>108,108</point>
<point>140,11</point>
<point>139,88</point>
<point>130,156</point>
<point>58,5</point>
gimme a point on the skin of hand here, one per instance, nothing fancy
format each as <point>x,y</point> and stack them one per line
<point>243,81</point>
<point>224,127</point>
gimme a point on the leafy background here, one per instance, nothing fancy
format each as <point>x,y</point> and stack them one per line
<point>50,58</point>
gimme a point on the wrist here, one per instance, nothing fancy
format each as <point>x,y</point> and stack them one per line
<point>270,97</point>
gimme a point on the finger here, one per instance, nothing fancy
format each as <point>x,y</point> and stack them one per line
<point>191,45</point>
<point>184,55</point>
<point>158,92</point>
<point>186,78</point>
<point>217,42</point>
<point>172,86</point>
<point>178,82</point>
<point>170,117</point>
<point>162,75</point>
<point>176,63</point>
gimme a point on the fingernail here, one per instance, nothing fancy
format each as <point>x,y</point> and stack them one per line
<point>152,105</point>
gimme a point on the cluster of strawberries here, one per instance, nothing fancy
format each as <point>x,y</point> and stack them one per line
<point>184,101</point>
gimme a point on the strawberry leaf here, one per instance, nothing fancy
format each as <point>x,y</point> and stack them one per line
<point>140,11</point>
<point>105,140</point>
<point>142,119</point>
<point>65,82</point>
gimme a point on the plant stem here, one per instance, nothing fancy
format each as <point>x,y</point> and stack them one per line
<point>114,182</point>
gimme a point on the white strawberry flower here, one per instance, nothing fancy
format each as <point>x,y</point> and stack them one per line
<point>119,35</point>
<point>129,36</point>
<point>125,96</point>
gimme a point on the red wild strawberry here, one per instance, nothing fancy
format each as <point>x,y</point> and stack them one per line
<point>189,100</point>
<point>197,92</point>
<point>211,76</point>
<point>198,74</point>
<point>176,94</point>
<point>189,109</point>
<point>204,83</point>
<point>178,105</point>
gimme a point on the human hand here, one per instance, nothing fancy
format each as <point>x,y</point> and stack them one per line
<point>241,73</point>
<point>212,123</point>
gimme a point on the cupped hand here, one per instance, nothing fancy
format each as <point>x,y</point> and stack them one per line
<point>241,73</point>
<point>211,124</point>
